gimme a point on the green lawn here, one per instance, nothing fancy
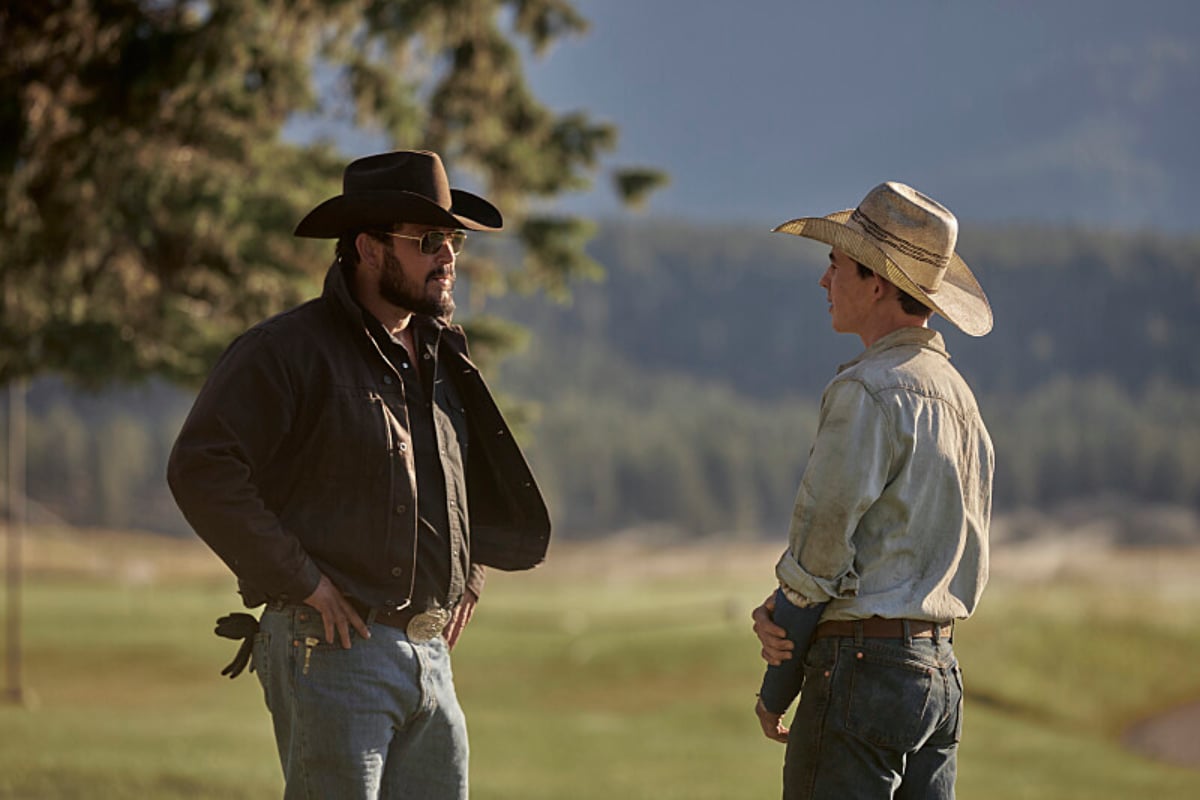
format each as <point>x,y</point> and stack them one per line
<point>588,687</point>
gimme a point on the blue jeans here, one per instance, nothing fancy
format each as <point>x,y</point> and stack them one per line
<point>380,720</point>
<point>878,718</point>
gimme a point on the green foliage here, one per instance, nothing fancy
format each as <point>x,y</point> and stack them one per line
<point>148,195</point>
<point>1072,438</point>
<point>615,447</point>
<point>683,390</point>
<point>635,185</point>
<point>556,253</point>
<point>492,336</point>
<point>99,460</point>
<point>693,457</point>
<point>740,305</point>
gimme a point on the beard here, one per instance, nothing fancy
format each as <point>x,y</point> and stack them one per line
<point>402,292</point>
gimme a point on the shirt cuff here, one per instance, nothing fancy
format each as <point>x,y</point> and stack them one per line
<point>813,589</point>
<point>795,598</point>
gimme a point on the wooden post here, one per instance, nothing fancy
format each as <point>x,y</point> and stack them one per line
<point>13,691</point>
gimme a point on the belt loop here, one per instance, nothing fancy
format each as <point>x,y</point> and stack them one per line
<point>904,626</point>
<point>371,612</point>
<point>858,633</point>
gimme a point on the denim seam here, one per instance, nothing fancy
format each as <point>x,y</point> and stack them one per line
<point>827,703</point>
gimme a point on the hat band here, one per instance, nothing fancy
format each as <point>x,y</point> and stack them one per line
<point>903,245</point>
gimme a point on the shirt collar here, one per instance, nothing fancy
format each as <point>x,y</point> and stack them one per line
<point>903,337</point>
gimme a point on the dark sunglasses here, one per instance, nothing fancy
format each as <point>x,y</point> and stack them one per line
<point>432,241</point>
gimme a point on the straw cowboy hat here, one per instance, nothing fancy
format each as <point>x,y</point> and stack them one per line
<point>403,186</point>
<point>907,238</point>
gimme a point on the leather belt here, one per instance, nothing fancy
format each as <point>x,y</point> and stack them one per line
<point>419,625</point>
<point>880,628</point>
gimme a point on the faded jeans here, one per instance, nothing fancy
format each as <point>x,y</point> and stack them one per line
<point>878,718</point>
<point>380,720</point>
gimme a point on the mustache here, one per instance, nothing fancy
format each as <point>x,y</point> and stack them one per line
<point>439,273</point>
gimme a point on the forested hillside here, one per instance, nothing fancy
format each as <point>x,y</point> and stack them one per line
<point>742,307</point>
<point>683,389</point>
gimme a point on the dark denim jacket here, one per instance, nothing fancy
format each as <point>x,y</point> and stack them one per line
<point>296,460</point>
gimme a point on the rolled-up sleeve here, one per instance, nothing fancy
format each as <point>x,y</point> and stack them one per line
<point>846,473</point>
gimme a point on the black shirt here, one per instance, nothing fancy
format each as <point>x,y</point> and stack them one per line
<point>437,425</point>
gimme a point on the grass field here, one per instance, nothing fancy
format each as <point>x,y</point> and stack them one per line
<point>616,670</point>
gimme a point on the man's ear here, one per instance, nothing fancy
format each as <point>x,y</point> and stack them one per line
<point>879,289</point>
<point>368,248</point>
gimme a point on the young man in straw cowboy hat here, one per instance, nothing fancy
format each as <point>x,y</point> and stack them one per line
<point>347,462</point>
<point>888,544</point>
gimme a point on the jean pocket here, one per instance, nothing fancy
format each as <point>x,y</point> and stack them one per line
<point>888,702</point>
<point>306,623</point>
<point>958,706</point>
<point>260,663</point>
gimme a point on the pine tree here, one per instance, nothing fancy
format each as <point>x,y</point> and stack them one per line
<point>149,191</point>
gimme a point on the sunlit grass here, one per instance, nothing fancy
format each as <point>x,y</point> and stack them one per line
<point>588,680</point>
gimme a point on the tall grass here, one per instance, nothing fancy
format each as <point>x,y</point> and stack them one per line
<point>630,674</point>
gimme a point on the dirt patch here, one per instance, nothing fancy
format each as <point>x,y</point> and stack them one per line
<point>1173,737</point>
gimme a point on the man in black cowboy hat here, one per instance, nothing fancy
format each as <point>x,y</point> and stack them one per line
<point>888,544</point>
<point>347,462</point>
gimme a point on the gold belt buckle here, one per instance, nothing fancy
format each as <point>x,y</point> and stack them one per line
<point>427,625</point>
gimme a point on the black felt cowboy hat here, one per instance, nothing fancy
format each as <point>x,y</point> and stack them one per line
<point>404,186</point>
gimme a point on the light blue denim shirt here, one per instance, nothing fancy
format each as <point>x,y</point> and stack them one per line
<point>892,514</point>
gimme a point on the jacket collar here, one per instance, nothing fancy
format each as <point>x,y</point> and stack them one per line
<point>337,291</point>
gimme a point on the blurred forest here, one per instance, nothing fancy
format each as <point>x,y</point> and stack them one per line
<point>150,176</point>
<point>682,390</point>
<point>672,372</point>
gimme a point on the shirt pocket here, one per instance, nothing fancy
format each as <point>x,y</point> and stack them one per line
<point>452,409</point>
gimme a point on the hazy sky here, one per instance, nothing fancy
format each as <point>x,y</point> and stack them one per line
<point>762,110</point>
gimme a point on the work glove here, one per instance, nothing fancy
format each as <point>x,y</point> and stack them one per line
<point>238,626</point>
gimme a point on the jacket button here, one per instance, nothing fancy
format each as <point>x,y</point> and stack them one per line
<point>400,509</point>
<point>397,572</point>
<point>404,447</point>
<point>387,379</point>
